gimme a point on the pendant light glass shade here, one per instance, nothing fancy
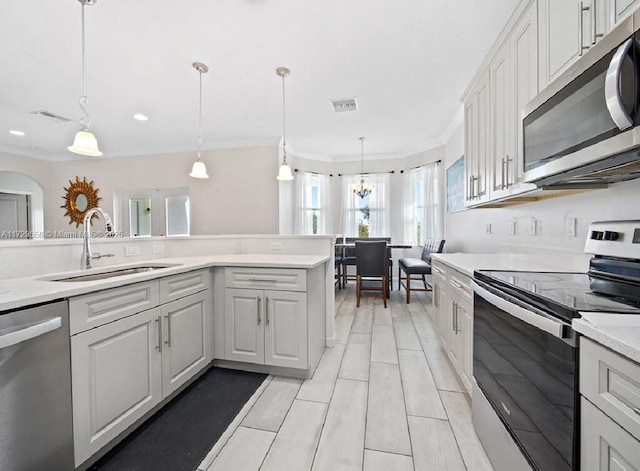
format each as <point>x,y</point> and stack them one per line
<point>284,174</point>
<point>199,169</point>
<point>362,189</point>
<point>85,143</point>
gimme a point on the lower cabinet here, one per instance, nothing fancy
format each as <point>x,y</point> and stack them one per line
<point>266,327</point>
<point>453,309</point>
<point>122,369</point>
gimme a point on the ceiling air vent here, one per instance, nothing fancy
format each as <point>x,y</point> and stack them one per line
<point>344,105</point>
<point>49,115</point>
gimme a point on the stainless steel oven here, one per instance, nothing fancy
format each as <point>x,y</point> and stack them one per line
<point>579,131</point>
<point>525,352</point>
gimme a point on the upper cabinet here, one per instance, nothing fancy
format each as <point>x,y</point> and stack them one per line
<point>477,143</point>
<point>620,9</point>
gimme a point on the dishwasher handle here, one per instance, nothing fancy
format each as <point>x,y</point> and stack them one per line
<point>31,332</point>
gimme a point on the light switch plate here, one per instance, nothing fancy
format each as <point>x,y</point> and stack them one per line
<point>158,248</point>
<point>512,228</point>
<point>131,251</point>
<point>276,246</point>
<point>487,229</point>
<point>571,227</point>
<point>533,226</point>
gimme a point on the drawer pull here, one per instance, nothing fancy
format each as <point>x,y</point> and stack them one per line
<point>266,310</point>
<point>456,284</point>
<point>266,280</point>
<point>636,410</point>
<point>436,269</point>
<point>159,324</point>
<point>259,318</point>
<point>168,341</point>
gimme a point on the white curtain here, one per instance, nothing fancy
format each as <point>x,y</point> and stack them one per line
<point>305,206</point>
<point>379,205</point>
<point>422,204</point>
<point>348,220</point>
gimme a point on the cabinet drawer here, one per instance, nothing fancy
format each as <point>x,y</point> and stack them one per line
<point>611,382</point>
<point>95,309</point>
<point>604,444</point>
<point>438,272</point>
<point>461,284</point>
<point>267,278</point>
<point>184,284</point>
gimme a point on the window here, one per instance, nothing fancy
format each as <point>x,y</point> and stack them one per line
<point>368,216</point>
<point>312,212</point>
<point>423,213</point>
<point>155,212</point>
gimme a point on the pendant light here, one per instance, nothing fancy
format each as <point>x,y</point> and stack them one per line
<point>285,171</point>
<point>199,169</point>
<point>363,189</point>
<point>85,143</point>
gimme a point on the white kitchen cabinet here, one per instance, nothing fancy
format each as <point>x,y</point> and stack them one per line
<point>116,379</point>
<point>439,297</point>
<point>186,335</point>
<point>502,123</point>
<point>620,9</point>
<point>131,352</point>
<point>266,327</point>
<point>476,143</point>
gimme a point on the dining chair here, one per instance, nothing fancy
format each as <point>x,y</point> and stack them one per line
<point>339,265</point>
<point>372,270</point>
<point>349,258</point>
<point>419,267</point>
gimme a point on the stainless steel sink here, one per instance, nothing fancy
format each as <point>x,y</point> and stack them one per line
<point>114,273</point>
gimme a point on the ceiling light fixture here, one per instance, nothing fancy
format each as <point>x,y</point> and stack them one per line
<point>85,143</point>
<point>362,189</point>
<point>15,132</point>
<point>285,171</point>
<point>140,117</point>
<point>199,169</point>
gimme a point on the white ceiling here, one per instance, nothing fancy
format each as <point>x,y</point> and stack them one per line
<point>406,61</point>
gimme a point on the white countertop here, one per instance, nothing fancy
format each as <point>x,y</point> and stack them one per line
<point>619,332</point>
<point>468,262</point>
<point>20,292</point>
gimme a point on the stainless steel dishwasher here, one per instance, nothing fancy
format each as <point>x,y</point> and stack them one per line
<point>35,389</point>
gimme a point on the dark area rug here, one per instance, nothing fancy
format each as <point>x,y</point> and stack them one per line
<point>179,436</point>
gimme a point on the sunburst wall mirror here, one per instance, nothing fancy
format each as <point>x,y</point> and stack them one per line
<point>80,197</point>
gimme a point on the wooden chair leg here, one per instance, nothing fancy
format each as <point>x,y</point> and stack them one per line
<point>424,281</point>
<point>385,291</point>
<point>408,290</point>
<point>358,290</point>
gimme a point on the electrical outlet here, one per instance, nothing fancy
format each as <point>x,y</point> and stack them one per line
<point>131,251</point>
<point>276,246</point>
<point>158,248</point>
<point>533,226</point>
<point>487,229</point>
<point>512,228</point>
<point>571,227</point>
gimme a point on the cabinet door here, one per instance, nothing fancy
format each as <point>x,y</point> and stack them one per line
<point>243,325</point>
<point>501,122</point>
<point>452,332</point>
<point>186,338</point>
<point>285,329</point>
<point>476,143</point>
<point>470,150</point>
<point>524,53</point>
<point>621,8</point>
<point>604,444</point>
<point>116,379</point>
<point>561,32</point>
<point>464,322</point>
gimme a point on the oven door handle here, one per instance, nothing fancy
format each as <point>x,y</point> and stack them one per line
<point>612,93</point>
<point>546,324</point>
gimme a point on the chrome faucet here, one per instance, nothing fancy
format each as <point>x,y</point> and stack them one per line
<point>87,256</point>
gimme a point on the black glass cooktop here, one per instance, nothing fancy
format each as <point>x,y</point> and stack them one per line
<point>565,294</point>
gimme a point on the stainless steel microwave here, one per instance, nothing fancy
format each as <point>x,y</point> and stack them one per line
<point>582,130</point>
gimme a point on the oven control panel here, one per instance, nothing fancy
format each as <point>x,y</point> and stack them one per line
<point>614,239</point>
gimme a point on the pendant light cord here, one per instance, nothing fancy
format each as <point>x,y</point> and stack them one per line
<point>85,122</point>
<point>200,118</point>
<point>361,155</point>
<point>284,133</point>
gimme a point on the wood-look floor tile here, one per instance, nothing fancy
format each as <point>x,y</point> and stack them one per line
<point>423,324</point>
<point>343,325</point>
<point>383,345</point>
<point>434,445</point>
<point>443,373</point>
<point>406,336</point>
<point>355,362</point>
<point>458,406</point>
<point>320,387</point>
<point>244,451</point>
<point>380,461</point>
<point>296,442</point>
<point>363,320</point>
<point>342,441</point>
<point>387,428</point>
<point>420,392</point>
<point>274,403</point>
<point>381,315</point>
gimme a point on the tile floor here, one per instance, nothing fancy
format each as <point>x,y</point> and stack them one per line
<point>384,398</point>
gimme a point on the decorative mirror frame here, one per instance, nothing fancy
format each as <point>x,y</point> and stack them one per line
<point>76,189</point>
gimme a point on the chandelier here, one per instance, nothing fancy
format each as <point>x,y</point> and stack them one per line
<point>362,189</point>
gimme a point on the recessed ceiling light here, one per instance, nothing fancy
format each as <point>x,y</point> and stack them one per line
<point>140,117</point>
<point>15,132</point>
